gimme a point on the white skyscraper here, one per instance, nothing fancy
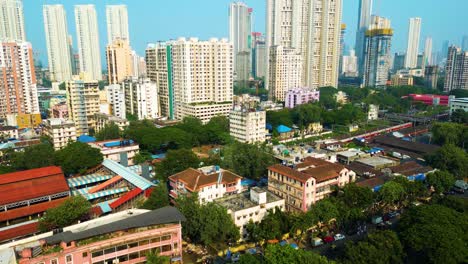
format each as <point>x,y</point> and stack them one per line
<point>58,48</point>
<point>414,32</point>
<point>313,28</point>
<point>88,41</point>
<point>12,20</point>
<point>240,30</point>
<point>428,52</point>
<point>364,20</point>
<point>117,23</point>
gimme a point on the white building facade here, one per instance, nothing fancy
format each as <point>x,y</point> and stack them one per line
<point>88,41</point>
<point>240,30</point>
<point>58,48</point>
<point>141,98</point>
<point>247,125</point>
<point>116,99</point>
<point>285,71</point>
<point>117,23</point>
<point>60,131</point>
<point>12,20</point>
<point>414,34</point>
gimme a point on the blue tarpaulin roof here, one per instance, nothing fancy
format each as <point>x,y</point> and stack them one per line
<point>283,129</point>
<point>247,182</point>
<point>158,156</point>
<point>86,139</point>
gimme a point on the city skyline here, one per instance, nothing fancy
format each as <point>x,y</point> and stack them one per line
<point>194,25</point>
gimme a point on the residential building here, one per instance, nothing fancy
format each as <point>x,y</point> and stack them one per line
<point>12,20</point>
<point>398,61</point>
<point>341,97</point>
<point>259,55</point>
<point>298,96</point>
<point>25,196</point>
<point>456,69</point>
<point>138,65</point>
<point>159,71</point>
<point>118,149</point>
<point>243,66</point>
<point>60,111</point>
<point>412,51</point>
<point>458,103</point>
<point>60,131</point>
<point>141,98</point>
<point>427,52</point>
<point>104,119</point>
<point>18,79</point>
<point>373,112</point>
<point>247,124</point>
<point>119,61</point>
<point>251,206</point>
<point>25,120</point>
<point>116,99</point>
<point>210,183</point>
<point>350,65</point>
<point>58,43</point>
<point>402,80</point>
<point>117,23</point>
<point>342,46</point>
<point>347,156</point>
<point>87,34</point>
<point>126,237</point>
<point>83,104</point>
<point>8,132</point>
<point>308,182</point>
<point>312,28</point>
<point>285,71</point>
<point>431,76</point>
<point>202,78</point>
<point>246,100</point>
<point>377,53</point>
<point>240,29</point>
<point>364,21</point>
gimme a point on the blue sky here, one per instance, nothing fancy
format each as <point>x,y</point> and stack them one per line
<point>155,20</point>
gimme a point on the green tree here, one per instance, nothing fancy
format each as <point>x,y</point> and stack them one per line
<point>459,204</point>
<point>276,254</point>
<point>356,197</point>
<point>281,117</point>
<point>110,131</point>
<point>176,161</point>
<point>450,158</point>
<point>159,197</point>
<point>381,247</point>
<point>142,157</point>
<point>305,114</point>
<point>441,180</point>
<point>249,259</point>
<point>77,157</point>
<point>69,212</point>
<point>247,160</point>
<point>459,116</point>
<point>37,156</point>
<point>434,234</point>
<point>448,133</point>
<point>153,257</point>
<point>391,192</point>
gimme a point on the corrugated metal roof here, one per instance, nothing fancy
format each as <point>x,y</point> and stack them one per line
<point>92,196</point>
<point>161,216</point>
<point>127,174</point>
<point>125,198</point>
<point>19,230</point>
<point>30,210</point>
<point>29,174</point>
<point>87,179</point>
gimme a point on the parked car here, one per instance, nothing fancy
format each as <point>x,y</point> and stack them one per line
<point>328,239</point>
<point>339,237</point>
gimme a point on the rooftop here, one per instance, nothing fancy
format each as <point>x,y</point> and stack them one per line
<point>318,169</point>
<point>392,143</point>
<point>194,179</point>
<point>351,153</point>
<point>166,215</point>
<point>410,168</point>
<point>29,184</point>
<point>242,201</point>
<point>376,161</point>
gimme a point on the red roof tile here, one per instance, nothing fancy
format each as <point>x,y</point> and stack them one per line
<point>19,231</point>
<point>194,179</point>
<point>25,185</point>
<point>125,198</point>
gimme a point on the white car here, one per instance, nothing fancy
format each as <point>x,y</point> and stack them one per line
<point>339,237</point>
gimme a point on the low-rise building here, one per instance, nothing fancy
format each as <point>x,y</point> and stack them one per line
<point>298,96</point>
<point>7,132</point>
<point>60,110</point>
<point>60,131</point>
<point>118,150</point>
<point>209,182</point>
<point>458,103</point>
<point>307,182</point>
<point>120,239</point>
<point>378,162</point>
<point>24,120</point>
<point>373,112</point>
<point>103,119</point>
<point>251,206</point>
<point>350,155</point>
<point>25,196</point>
<point>402,80</point>
<point>247,124</point>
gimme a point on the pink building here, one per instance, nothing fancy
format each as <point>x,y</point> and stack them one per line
<point>60,111</point>
<point>298,96</point>
<point>308,182</point>
<point>126,240</point>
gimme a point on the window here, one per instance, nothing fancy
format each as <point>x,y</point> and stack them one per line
<point>143,243</point>
<point>133,256</point>
<point>167,237</point>
<point>109,250</point>
<point>95,254</point>
<point>121,247</point>
<point>132,245</point>
<point>85,254</point>
<point>54,261</point>
<point>69,259</point>
<point>166,248</point>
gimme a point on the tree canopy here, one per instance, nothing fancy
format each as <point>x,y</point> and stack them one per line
<point>277,254</point>
<point>247,160</point>
<point>77,157</point>
<point>69,212</point>
<point>176,161</point>
<point>37,156</point>
<point>441,180</point>
<point>110,131</point>
<point>450,133</point>
<point>450,158</point>
<point>158,198</point>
